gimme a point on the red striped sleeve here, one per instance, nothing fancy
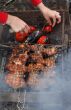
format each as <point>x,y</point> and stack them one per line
<point>36,2</point>
<point>3,17</point>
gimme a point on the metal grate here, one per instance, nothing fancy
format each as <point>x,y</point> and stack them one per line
<point>36,19</point>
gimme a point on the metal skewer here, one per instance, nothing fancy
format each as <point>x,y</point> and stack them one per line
<point>5,46</point>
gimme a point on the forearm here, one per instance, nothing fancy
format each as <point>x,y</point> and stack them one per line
<point>42,7</point>
<point>3,17</point>
<point>49,14</point>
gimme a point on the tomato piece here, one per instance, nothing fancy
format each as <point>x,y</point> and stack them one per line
<point>25,35</point>
<point>21,36</point>
<point>42,40</point>
<point>32,28</point>
<point>47,29</point>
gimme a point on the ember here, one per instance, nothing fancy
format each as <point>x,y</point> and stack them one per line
<point>26,61</point>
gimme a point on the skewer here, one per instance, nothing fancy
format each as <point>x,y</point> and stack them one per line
<point>5,46</point>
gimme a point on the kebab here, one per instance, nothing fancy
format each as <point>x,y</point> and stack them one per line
<point>35,35</point>
<point>26,60</point>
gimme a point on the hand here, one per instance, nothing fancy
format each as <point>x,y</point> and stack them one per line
<point>50,14</point>
<point>17,24</point>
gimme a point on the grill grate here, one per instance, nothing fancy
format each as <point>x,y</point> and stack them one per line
<point>36,19</point>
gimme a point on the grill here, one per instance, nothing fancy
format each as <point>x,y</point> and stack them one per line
<point>59,38</point>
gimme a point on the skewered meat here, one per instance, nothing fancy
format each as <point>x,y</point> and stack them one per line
<point>34,47</point>
<point>30,68</point>
<point>14,80</point>
<point>16,68</point>
<point>26,61</point>
<point>49,62</point>
<point>21,46</point>
<point>38,67</point>
<point>37,57</point>
<point>17,61</point>
<point>49,51</point>
<point>30,60</point>
<point>33,80</point>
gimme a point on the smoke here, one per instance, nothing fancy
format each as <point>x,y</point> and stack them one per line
<point>54,90</point>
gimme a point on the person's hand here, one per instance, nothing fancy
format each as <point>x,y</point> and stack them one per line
<point>51,16</point>
<point>17,24</point>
